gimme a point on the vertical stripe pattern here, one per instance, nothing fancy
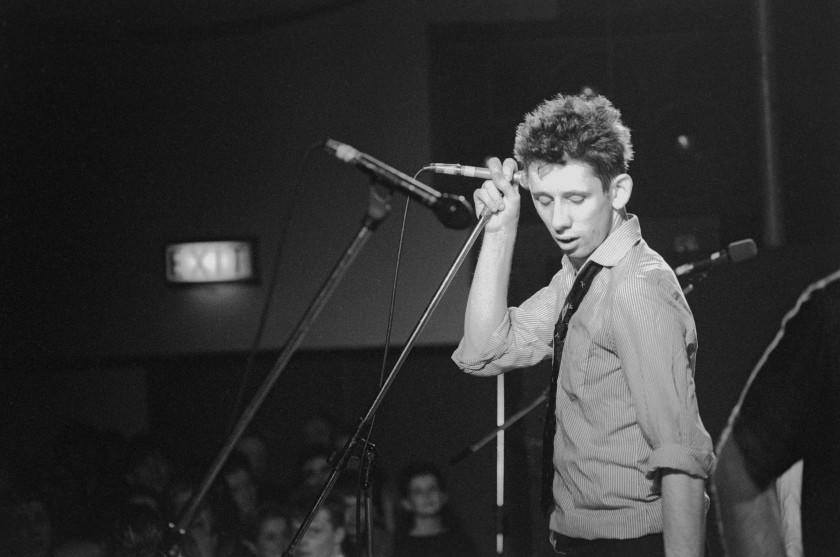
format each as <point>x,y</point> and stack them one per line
<point>626,403</point>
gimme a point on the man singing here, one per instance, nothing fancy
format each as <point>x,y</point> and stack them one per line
<point>630,456</point>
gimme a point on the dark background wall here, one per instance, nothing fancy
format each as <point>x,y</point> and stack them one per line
<point>125,127</point>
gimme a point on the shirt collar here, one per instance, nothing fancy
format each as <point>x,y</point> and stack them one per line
<point>616,245</point>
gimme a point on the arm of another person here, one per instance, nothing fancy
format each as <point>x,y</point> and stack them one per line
<point>789,492</point>
<point>656,342</point>
<point>487,301</point>
<point>750,514</point>
<point>766,431</point>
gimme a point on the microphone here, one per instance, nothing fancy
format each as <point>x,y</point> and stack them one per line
<point>469,171</point>
<point>452,210</point>
<point>734,253</point>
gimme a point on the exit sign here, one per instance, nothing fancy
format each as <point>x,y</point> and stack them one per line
<point>203,262</point>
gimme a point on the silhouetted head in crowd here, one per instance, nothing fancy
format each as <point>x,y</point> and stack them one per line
<point>271,531</point>
<point>319,429</point>
<point>241,486</point>
<point>138,531</point>
<point>214,527</point>
<point>255,449</point>
<point>427,517</point>
<point>315,466</point>
<point>347,489</point>
<point>146,464</point>
<point>423,489</point>
<point>326,533</point>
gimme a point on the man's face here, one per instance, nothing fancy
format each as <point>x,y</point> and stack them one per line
<point>273,537</point>
<point>322,539</point>
<point>316,470</point>
<point>242,490</point>
<point>572,203</point>
<point>425,498</point>
<point>256,451</point>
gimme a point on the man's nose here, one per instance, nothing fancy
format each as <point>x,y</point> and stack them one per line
<point>560,217</point>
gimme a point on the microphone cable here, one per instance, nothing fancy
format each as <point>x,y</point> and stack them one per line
<point>362,493</point>
<point>392,303</point>
<point>272,283</point>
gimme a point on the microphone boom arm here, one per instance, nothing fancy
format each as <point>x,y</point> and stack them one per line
<point>378,210</point>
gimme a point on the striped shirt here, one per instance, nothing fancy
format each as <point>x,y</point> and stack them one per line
<point>626,404</point>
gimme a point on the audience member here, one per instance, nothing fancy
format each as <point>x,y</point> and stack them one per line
<point>213,531</point>
<point>120,506</point>
<point>255,449</point>
<point>319,429</point>
<point>138,531</point>
<point>430,529</point>
<point>147,468</point>
<point>242,488</point>
<point>314,468</point>
<point>271,531</point>
<point>326,534</point>
<point>348,490</point>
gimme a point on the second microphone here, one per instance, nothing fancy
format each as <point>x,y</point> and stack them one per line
<point>470,171</point>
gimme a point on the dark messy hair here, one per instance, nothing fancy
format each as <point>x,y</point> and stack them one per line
<point>582,127</point>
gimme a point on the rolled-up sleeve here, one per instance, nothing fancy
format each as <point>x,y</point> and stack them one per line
<point>656,342</point>
<point>522,339</point>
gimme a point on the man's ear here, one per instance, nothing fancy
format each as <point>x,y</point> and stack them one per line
<point>621,188</point>
<point>405,504</point>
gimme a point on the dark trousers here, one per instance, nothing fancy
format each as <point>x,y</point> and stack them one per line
<point>651,545</point>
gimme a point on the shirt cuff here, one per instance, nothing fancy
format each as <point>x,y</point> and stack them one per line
<point>493,349</point>
<point>676,457</point>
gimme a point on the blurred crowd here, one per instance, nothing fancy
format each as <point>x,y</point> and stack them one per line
<point>101,494</point>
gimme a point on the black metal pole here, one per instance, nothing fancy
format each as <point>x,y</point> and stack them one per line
<point>378,209</point>
<point>364,424</point>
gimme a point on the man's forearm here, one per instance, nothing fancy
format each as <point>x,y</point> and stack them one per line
<point>748,516</point>
<point>487,301</point>
<point>683,514</point>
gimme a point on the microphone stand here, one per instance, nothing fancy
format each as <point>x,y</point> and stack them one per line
<point>467,451</point>
<point>692,281</point>
<point>365,422</point>
<point>378,209</point>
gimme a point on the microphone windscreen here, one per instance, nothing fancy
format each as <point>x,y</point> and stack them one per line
<point>742,250</point>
